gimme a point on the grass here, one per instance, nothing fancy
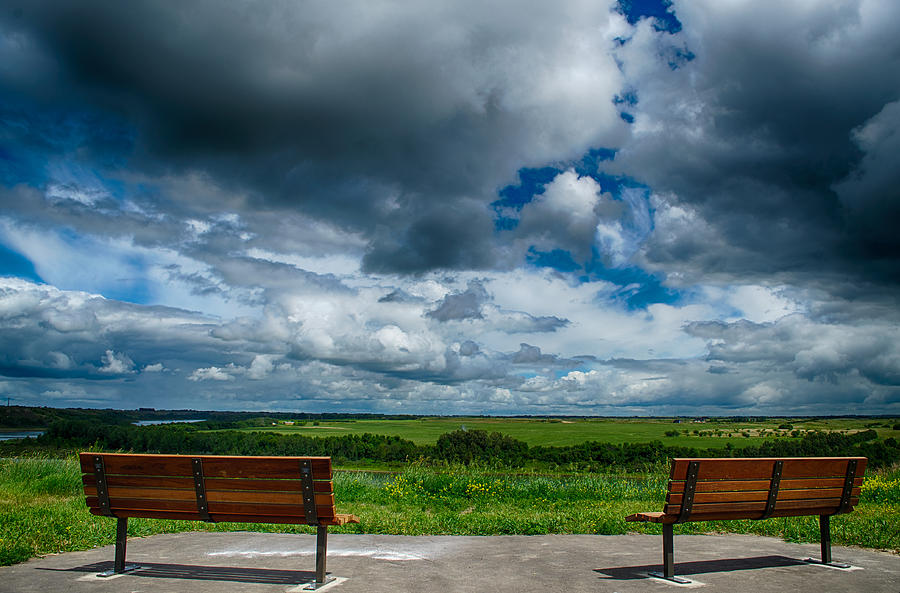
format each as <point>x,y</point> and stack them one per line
<point>42,508</point>
<point>713,433</point>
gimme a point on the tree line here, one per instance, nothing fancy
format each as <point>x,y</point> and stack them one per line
<point>460,446</point>
<point>44,416</point>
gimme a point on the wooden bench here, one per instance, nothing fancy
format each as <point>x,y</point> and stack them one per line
<point>746,488</point>
<point>294,490</point>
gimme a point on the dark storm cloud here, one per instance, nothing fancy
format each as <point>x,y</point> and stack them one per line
<point>870,194</point>
<point>365,114</point>
<point>524,323</point>
<point>777,139</point>
<point>472,302</point>
<point>532,355</point>
<point>462,305</point>
<point>453,238</point>
<point>811,351</point>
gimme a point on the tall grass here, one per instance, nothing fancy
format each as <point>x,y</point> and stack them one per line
<point>42,508</point>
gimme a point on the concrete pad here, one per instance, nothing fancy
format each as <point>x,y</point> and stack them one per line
<point>278,563</point>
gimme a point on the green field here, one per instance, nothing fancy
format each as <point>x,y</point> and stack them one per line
<point>712,433</point>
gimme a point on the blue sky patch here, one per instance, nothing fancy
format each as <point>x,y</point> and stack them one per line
<point>626,98</point>
<point>680,57</point>
<point>660,10</point>
<point>36,137</point>
<point>558,259</point>
<point>531,183</point>
<point>13,263</point>
<point>637,288</point>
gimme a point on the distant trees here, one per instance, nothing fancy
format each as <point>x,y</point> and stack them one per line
<point>190,439</point>
<point>460,446</point>
<point>466,446</point>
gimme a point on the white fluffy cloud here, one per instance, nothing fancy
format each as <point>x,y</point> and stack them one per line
<point>371,354</point>
<point>212,374</point>
<point>116,363</point>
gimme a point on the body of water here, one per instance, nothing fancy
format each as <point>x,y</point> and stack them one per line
<point>154,422</point>
<point>9,435</point>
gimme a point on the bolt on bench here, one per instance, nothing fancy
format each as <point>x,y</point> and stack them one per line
<point>705,489</point>
<point>212,488</point>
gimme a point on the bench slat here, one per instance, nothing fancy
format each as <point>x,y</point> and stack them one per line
<point>761,468</point>
<point>116,493</point>
<point>744,485</point>
<point>757,507</point>
<point>118,505</point>
<point>338,519</point>
<point>322,500</point>
<point>319,486</point>
<point>729,516</point>
<point>265,467</point>
<point>762,496</point>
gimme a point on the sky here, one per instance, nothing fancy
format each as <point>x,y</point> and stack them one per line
<point>451,207</point>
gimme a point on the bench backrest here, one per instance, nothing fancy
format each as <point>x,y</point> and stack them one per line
<point>210,487</point>
<point>754,488</point>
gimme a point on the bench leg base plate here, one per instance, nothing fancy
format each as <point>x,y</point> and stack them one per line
<point>674,579</point>
<point>112,572</point>
<point>317,585</point>
<point>833,564</point>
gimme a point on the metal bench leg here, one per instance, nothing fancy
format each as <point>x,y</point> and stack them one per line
<point>825,544</point>
<point>119,565</point>
<point>825,538</point>
<point>668,572</point>
<point>121,542</point>
<point>321,549</point>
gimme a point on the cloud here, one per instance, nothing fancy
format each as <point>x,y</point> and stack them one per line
<point>462,305</point>
<point>54,333</point>
<point>870,192</point>
<point>261,366</point>
<point>817,352</point>
<point>275,110</point>
<point>564,216</point>
<point>743,164</point>
<point>116,363</point>
<point>514,322</point>
<point>797,363</point>
<point>211,374</point>
<point>529,354</point>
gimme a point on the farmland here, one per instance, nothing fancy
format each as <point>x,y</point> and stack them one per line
<point>557,432</point>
